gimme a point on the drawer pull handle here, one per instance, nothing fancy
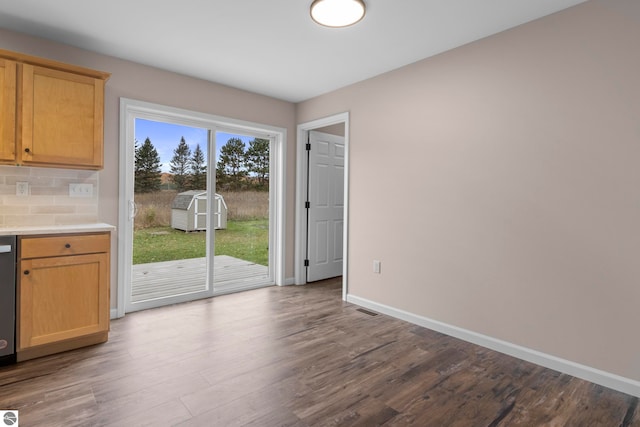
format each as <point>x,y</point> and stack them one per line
<point>26,272</point>
<point>67,246</point>
<point>27,150</point>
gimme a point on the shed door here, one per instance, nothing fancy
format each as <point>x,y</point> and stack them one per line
<point>200,212</point>
<point>326,206</point>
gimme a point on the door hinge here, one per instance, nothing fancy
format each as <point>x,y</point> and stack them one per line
<point>307,205</point>
<point>308,146</point>
<point>306,263</point>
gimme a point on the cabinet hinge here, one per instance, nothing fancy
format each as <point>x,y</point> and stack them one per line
<point>307,205</point>
<point>306,263</point>
<point>308,146</point>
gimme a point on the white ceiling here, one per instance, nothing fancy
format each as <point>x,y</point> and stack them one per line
<point>270,47</point>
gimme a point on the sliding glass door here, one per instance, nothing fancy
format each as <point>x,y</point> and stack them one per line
<point>242,256</point>
<point>170,226</point>
<point>203,211</point>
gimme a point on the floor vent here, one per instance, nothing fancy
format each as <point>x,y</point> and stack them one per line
<point>370,313</point>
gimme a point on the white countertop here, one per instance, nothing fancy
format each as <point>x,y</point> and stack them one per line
<point>55,229</point>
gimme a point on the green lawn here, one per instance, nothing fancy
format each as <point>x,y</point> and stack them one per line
<point>248,240</point>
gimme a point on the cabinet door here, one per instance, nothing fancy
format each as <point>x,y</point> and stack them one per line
<point>7,111</point>
<point>62,118</point>
<point>62,298</point>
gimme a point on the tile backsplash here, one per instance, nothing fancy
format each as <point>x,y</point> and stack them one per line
<point>47,201</point>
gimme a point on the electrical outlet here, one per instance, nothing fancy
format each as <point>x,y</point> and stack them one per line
<point>80,190</point>
<point>22,189</point>
<point>376,266</point>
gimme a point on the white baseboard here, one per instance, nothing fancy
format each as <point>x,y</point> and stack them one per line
<point>593,375</point>
<point>289,281</point>
<point>114,313</point>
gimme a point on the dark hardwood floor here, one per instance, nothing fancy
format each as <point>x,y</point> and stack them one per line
<point>295,356</point>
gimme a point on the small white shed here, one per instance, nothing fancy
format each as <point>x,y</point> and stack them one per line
<point>189,211</point>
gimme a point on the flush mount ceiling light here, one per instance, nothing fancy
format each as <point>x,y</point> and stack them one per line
<point>337,13</point>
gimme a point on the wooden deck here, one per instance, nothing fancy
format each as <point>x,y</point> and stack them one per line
<point>163,279</point>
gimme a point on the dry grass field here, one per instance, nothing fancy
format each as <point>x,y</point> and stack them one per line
<point>154,209</point>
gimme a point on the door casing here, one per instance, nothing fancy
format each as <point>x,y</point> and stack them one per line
<point>301,186</point>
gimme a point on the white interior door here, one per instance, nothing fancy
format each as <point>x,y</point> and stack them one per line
<point>325,223</point>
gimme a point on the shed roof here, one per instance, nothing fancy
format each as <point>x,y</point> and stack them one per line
<point>183,200</point>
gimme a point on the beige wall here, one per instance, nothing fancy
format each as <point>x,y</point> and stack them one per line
<point>144,83</point>
<point>511,186</point>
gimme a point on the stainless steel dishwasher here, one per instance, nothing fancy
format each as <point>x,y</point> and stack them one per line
<point>7,300</point>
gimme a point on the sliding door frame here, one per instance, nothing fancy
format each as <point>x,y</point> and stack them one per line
<point>131,109</point>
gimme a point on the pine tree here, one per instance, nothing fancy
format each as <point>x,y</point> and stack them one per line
<point>258,162</point>
<point>231,169</point>
<point>180,165</point>
<point>147,168</point>
<point>198,170</point>
<point>221,177</point>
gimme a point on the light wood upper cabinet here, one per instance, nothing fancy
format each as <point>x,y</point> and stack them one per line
<point>7,110</point>
<point>58,118</point>
<point>62,118</point>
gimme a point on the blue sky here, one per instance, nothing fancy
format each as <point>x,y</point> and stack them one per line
<point>165,137</point>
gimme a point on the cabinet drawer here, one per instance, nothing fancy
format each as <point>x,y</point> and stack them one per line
<point>64,245</point>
